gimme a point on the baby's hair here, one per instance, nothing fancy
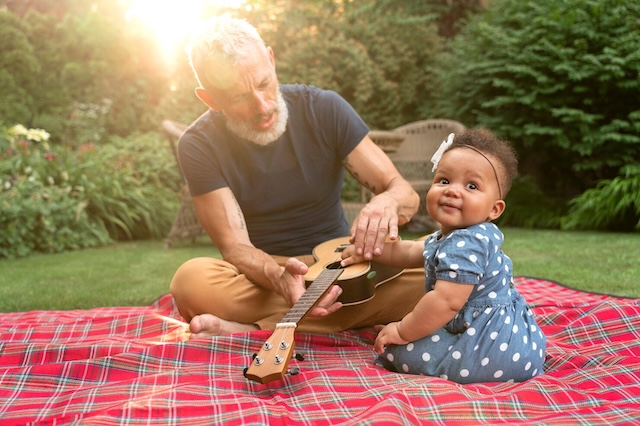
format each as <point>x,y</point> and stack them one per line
<point>494,147</point>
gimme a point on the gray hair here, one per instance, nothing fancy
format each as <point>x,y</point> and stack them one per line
<point>220,40</point>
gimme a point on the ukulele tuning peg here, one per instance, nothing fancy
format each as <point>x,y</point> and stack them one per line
<point>255,354</point>
<point>294,371</point>
<point>244,371</point>
<point>299,356</point>
<point>284,344</point>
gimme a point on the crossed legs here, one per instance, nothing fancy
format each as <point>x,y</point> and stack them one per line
<point>216,299</point>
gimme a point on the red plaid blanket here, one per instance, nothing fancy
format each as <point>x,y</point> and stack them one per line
<point>133,366</point>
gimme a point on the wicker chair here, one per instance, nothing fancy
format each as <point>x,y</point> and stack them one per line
<point>413,160</point>
<point>186,225</point>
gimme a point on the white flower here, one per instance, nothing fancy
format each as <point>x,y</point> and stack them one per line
<point>37,135</point>
<point>18,129</point>
<point>441,150</point>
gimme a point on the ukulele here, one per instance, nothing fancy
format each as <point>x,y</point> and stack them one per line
<point>358,282</point>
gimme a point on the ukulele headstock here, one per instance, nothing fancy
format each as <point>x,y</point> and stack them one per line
<point>273,359</point>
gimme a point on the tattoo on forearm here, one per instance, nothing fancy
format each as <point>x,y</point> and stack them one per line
<point>347,165</point>
<point>371,188</point>
<point>355,174</point>
<point>241,222</point>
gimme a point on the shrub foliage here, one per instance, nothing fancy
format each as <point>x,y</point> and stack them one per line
<point>614,204</point>
<point>559,79</point>
<point>54,198</point>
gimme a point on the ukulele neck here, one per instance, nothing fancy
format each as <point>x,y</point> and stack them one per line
<point>312,295</point>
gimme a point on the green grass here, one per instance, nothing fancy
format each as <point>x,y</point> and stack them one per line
<point>136,273</point>
<point>598,262</point>
<point>132,273</point>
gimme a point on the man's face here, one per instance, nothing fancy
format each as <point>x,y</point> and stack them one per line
<point>249,97</point>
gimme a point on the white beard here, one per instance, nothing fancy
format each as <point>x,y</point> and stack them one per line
<point>262,137</point>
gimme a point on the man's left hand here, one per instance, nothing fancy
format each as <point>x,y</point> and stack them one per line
<point>377,222</point>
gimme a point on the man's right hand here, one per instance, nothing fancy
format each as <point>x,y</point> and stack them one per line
<point>293,287</point>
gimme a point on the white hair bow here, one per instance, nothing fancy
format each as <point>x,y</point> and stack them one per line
<point>441,150</point>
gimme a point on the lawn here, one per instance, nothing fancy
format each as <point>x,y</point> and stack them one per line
<point>136,273</point>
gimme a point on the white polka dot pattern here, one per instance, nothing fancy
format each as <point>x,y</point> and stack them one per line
<point>494,337</point>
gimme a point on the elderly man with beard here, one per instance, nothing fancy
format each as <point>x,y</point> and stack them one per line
<point>265,166</point>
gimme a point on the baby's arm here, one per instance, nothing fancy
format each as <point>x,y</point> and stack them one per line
<point>401,254</point>
<point>434,310</point>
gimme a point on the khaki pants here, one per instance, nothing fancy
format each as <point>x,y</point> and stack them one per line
<point>208,285</point>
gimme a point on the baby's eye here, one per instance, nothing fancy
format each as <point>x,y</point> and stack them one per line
<point>443,181</point>
<point>472,185</point>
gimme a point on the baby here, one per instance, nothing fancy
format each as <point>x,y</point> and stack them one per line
<point>472,325</point>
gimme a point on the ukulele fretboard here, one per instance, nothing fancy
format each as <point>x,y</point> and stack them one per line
<point>314,293</point>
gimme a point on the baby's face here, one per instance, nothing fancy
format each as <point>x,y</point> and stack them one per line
<point>464,191</point>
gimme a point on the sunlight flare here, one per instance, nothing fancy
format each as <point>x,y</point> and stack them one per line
<point>171,21</point>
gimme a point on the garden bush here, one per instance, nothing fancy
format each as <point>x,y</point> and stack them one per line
<point>530,207</point>
<point>130,185</point>
<point>55,198</point>
<point>614,204</point>
<point>557,78</point>
<point>41,210</point>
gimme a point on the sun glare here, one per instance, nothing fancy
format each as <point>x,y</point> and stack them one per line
<point>171,21</point>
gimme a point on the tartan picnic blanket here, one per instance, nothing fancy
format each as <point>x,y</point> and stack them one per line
<point>135,365</point>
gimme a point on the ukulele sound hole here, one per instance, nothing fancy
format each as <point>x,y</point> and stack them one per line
<point>334,265</point>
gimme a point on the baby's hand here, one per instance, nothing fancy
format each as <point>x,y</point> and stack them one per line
<point>349,256</point>
<point>388,335</point>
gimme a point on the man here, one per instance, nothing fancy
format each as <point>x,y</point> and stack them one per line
<point>264,166</point>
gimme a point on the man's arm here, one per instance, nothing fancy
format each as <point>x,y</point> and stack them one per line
<point>394,204</point>
<point>222,218</point>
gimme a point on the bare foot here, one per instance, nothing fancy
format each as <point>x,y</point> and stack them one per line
<point>207,325</point>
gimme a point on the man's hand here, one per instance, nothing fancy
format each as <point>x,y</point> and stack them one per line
<point>377,221</point>
<point>293,288</point>
<point>393,205</point>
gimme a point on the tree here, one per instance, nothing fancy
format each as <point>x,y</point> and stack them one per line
<point>376,54</point>
<point>53,101</point>
<point>79,76</point>
<point>18,67</point>
<point>557,78</point>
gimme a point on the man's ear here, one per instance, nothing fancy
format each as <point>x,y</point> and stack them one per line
<point>497,209</point>
<point>272,57</point>
<point>206,99</point>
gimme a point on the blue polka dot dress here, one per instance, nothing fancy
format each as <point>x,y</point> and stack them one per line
<point>495,336</point>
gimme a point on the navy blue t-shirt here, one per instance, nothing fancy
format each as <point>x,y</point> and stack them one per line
<point>289,190</point>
